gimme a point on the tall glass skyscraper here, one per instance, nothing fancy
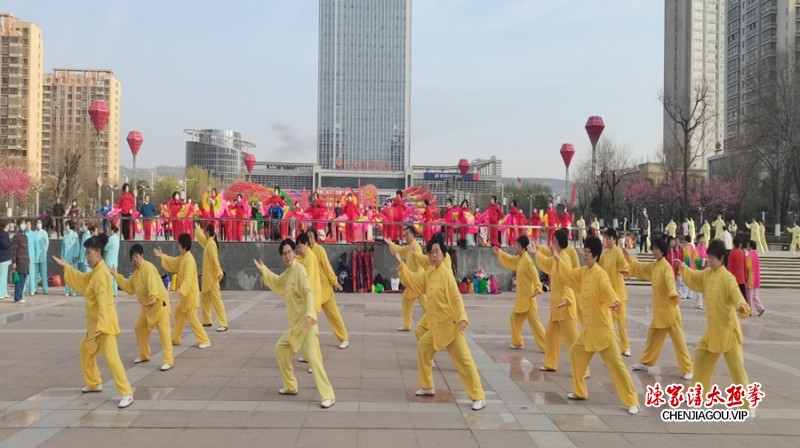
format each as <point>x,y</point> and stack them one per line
<point>364,85</point>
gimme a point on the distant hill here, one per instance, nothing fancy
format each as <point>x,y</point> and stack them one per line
<point>556,185</point>
<point>160,172</point>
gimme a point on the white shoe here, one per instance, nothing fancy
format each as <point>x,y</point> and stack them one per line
<point>425,392</point>
<point>327,403</point>
<point>302,359</point>
<point>310,371</point>
<point>640,366</point>
<point>688,376</point>
<point>516,347</point>
<point>586,376</point>
<point>477,405</point>
<point>126,401</point>
<point>284,391</point>
<point>66,295</point>
<point>140,359</point>
<point>633,410</point>
<point>89,390</point>
<point>21,301</point>
<point>344,344</point>
<point>202,346</point>
<point>165,367</point>
<point>222,329</point>
<point>627,353</point>
<point>546,369</point>
<point>403,329</point>
<point>572,396</point>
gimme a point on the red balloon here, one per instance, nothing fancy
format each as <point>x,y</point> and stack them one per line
<point>135,141</point>
<point>567,152</point>
<point>463,167</point>
<point>98,112</point>
<point>594,127</point>
<point>249,161</point>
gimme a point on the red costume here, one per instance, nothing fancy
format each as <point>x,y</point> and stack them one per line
<point>463,231</point>
<point>427,221</point>
<point>536,221</point>
<point>519,220</point>
<point>451,215</point>
<point>352,213</point>
<point>174,206</point>
<point>676,253</point>
<point>126,205</point>
<point>736,265</point>
<point>552,224</point>
<point>566,221</point>
<point>239,212</point>
<point>495,214</point>
<point>398,209</point>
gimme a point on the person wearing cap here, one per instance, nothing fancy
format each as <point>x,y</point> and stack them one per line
<point>528,287</point>
<point>666,312</point>
<point>409,295</point>
<point>613,262</point>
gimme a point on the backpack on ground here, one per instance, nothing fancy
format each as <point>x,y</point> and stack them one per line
<point>494,285</point>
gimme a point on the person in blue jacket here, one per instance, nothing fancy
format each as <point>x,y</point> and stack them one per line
<point>111,256</point>
<point>87,233</point>
<point>105,210</point>
<point>5,258</point>
<point>42,246</point>
<point>70,251</point>
<point>31,233</point>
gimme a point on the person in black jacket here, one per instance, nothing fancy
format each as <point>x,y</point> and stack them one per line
<point>20,261</point>
<point>58,217</point>
<point>5,258</point>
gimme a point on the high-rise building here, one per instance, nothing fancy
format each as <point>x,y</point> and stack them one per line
<point>364,85</point>
<point>694,58</point>
<point>21,94</point>
<point>219,151</point>
<point>67,129</point>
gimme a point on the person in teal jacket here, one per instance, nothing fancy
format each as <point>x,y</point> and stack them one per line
<point>111,256</point>
<point>42,246</point>
<point>70,251</point>
<point>30,232</point>
<point>87,233</point>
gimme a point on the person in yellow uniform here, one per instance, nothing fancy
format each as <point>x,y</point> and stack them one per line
<point>671,228</point>
<point>581,225</point>
<point>447,320</point>
<point>598,301</point>
<point>294,285</point>
<point>330,282</point>
<point>719,227</point>
<point>146,285</point>
<point>102,325</point>
<point>691,228</point>
<point>724,301</point>
<point>795,231</point>
<point>409,295</point>
<point>212,275</point>
<point>187,289</point>
<point>613,262</point>
<point>705,230</point>
<point>666,312</point>
<point>528,287</point>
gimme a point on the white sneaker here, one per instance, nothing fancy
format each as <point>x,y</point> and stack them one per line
<point>222,329</point>
<point>327,403</point>
<point>89,390</point>
<point>516,347</point>
<point>633,410</point>
<point>425,392</point>
<point>202,346</point>
<point>66,295</point>
<point>627,353</point>
<point>21,301</point>
<point>403,329</point>
<point>572,396</point>
<point>344,344</point>
<point>126,401</point>
<point>586,376</point>
<point>140,359</point>
<point>284,391</point>
<point>302,359</point>
<point>165,367</point>
<point>310,371</point>
<point>688,376</point>
<point>477,405</point>
<point>640,366</point>
<point>546,369</point>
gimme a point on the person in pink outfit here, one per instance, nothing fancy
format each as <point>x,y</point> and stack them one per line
<point>495,214</point>
<point>552,223</point>
<point>753,282</point>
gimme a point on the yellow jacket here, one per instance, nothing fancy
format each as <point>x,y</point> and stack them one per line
<point>146,285</point>
<point>795,231</point>
<point>613,261</point>
<point>212,270</point>
<point>310,262</point>
<point>188,289</point>
<point>671,228</point>
<point>666,311</point>
<point>294,286</point>
<point>722,297</point>
<point>596,296</point>
<point>328,277</point>
<point>445,305</point>
<point>101,314</point>
<point>719,227</point>
<point>528,284</point>
<point>572,254</point>
<point>404,252</point>
<point>560,291</point>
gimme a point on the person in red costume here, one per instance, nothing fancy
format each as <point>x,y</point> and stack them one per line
<point>398,214</point>
<point>188,224</point>
<point>239,214</point>
<point>566,221</point>
<point>319,213</point>
<point>450,217</point>
<point>427,222</point>
<point>737,265</point>
<point>174,206</point>
<point>518,219</point>
<point>536,221</point>
<point>674,252</point>
<point>552,223</point>
<point>352,213</point>
<point>126,206</point>
<point>462,219</point>
<point>495,214</point>
<point>276,200</point>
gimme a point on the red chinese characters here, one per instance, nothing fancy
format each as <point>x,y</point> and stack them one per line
<point>713,397</point>
<point>655,396</point>
<point>754,394</point>
<point>676,396</point>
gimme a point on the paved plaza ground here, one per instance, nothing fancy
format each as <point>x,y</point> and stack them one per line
<point>226,396</point>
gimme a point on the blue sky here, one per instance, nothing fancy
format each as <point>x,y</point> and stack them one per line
<point>511,78</point>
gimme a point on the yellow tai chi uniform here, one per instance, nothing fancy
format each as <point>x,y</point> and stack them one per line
<point>671,228</point>
<point>563,321</point>
<point>189,291</point>
<point>409,295</point>
<point>101,317</point>
<point>445,311</point>
<point>293,284</point>
<point>425,263</point>
<point>705,230</point>
<point>525,307</point>
<point>666,313</point>
<point>328,304</point>
<point>146,285</point>
<point>719,227</point>
<point>212,272</point>
<point>795,231</point>
<point>613,261</point>
<point>723,332</point>
<point>597,295</point>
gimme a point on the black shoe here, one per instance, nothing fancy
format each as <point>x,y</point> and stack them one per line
<point>207,325</point>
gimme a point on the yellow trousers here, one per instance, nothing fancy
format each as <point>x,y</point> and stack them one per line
<point>795,246</point>
<point>107,345</point>
<point>462,358</point>
<point>422,328</point>
<point>655,342</point>
<point>335,319</point>
<point>567,330</point>
<point>621,322</point>
<point>706,362</point>
<point>285,353</point>
<point>612,358</point>
<point>180,322</point>
<point>142,331</point>
<point>518,321</point>
<point>408,306</point>
<point>213,298</point>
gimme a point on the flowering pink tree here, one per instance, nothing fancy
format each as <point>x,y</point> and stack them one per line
<point>713,195</point>
<point>14,183</point>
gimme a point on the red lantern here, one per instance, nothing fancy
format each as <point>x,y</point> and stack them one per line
<point>463,167</point>
<point>567,151</point>
<point>98,112</point>
<point>594,127</point>
<point>249,162</point>
<point>135,141</point>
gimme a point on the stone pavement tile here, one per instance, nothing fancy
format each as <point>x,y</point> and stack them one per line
<point>193,393</point>
<point>503,439</point>
<point>709,440</point>
<point>284,405</point>
<point>442,396</point>
<point>386,438</point>
<point>128,438</point>
<point>378,383</point>
<point>565,409</point>
<point>151,393</point>
<point>108,418</point>
<point>438,439</point>
<point>551,398</point>
<point>6,433</point>
<point>383,407</point>
<point>648,440</point>
<point>333,438</point>
<point>341,406</point>
<point>18,392</point>
<point>486,421</point>
<point>29,438</point>
<point>536,422</point>
<point>200,379</point>
<point>438,421</point>
<point>576,423</point>
<point>180,405</point>
<point>276,419</point>
<point>60,419</point>
<point>187,419</point>
<point>21,419</point>
<point>784,427</point>
<point>82,437</point>
<point>598,440</point>
<point>383,395</point>
<point>331,420</point>
<point>165,379</point>
<point>439,408</point>
<point>236,438</point>
<point>38,404</point>
<point>385,420</point>
<point>637,423</point>
<point>6,404</point>
<point>770,441</point>
<point>241,394</point>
